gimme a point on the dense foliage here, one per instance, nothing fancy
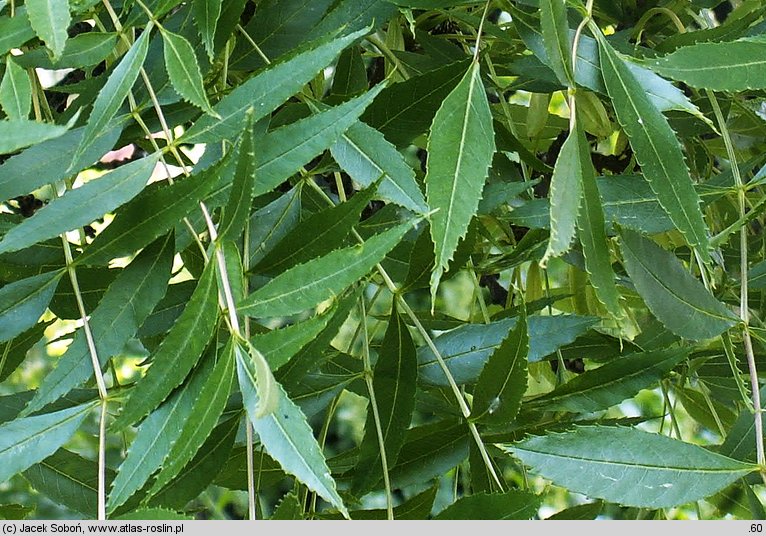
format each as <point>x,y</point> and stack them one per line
<point>411,259</point>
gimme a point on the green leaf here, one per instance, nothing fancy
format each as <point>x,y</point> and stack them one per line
<point>161,432</point>
<point>206,409</point>
<point>178,353</point>
<point>365,155</point>
<point>587,511</point>
<point>673,295</point>
<point>289,508</point>
<point>553,20</point>
<point>466,349</point>
<point>284,150</point>
<point>628,466</point>
<point>318,234</point>
<point>15,91</point>
<point>150,215</point>
<point>430,451</point>
<point>68,479</point>
<point>202,470</point>
<point>81,206</point>
<point>206,14</point>
<point>610,384</point>
<point>394,382</point>
<point>23,302</point>
<point>29,440</point>
<point>15,512</point>
<point>503,380</point>
<point>183,70</point>
<point>125,305</point>
<point>114,92</point>
<point>286,436</point>
<point>50,20</point>
<point>352,15</point>
<point>16,134</point>
<point>82,50</point>
<point>460,150</point>
<point>592,234</point>
<point>307,285</point>
<point>237,210</point>
<point>565,198</point>
<point>15,31</point>
<point>405,110</point>
<point>154,514</point>
<point>269,225</point>
<point>657,149</point>
<point>512,504</point>
<point>267,90</point>
<point>734,66</point>
<point>51,161</point>
<point>15,351</point>
<point>267,387</point>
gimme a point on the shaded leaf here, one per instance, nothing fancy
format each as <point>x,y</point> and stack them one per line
<point>628,466</point>
<point>15,31</point>
<point>206,14</point>
<point>553,20</point>
<point>509,505</point>
<point>394,382</point>
<point>237,210</point>
<point>674,296</point>
<point>15,351</point>
<point>50,20</point>
<point>503,379</point>
<point>273,222</point>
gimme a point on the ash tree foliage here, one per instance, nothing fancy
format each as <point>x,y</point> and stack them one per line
<point>382,259</point>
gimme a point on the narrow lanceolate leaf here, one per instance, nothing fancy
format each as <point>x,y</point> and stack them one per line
<point>237,209</point>
<point>657,149</point>
<point>287,437</point>
<point>610,384</point>
<point>150,215</point>
<point>124,307</point>
<point>267,90</point>
<point>283,151</point>
<point>16,134</point>
<point>206,13</point>
<point>160,432</point>
<point>205,411</point>
<point>460,150</point>
<point>503,380</point>
<point>15,91</point>
<point>23,302</point>
<point>673,295</point>
<point>394,382</point>
<point>565,198</point>
<point>183,70</point>
<point>27,441</point>
<point>592,233</point>
<point>50,20</point>
<point>366,156</point>
<point>553,20</point>
<point>628,466</point>
<point>114,92</point>
<point>15,350</point>
<point>512,504</point>
<point>734,66</point>
<point>81,206</point>
<point>178,353</point>
<point>309,284</point>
